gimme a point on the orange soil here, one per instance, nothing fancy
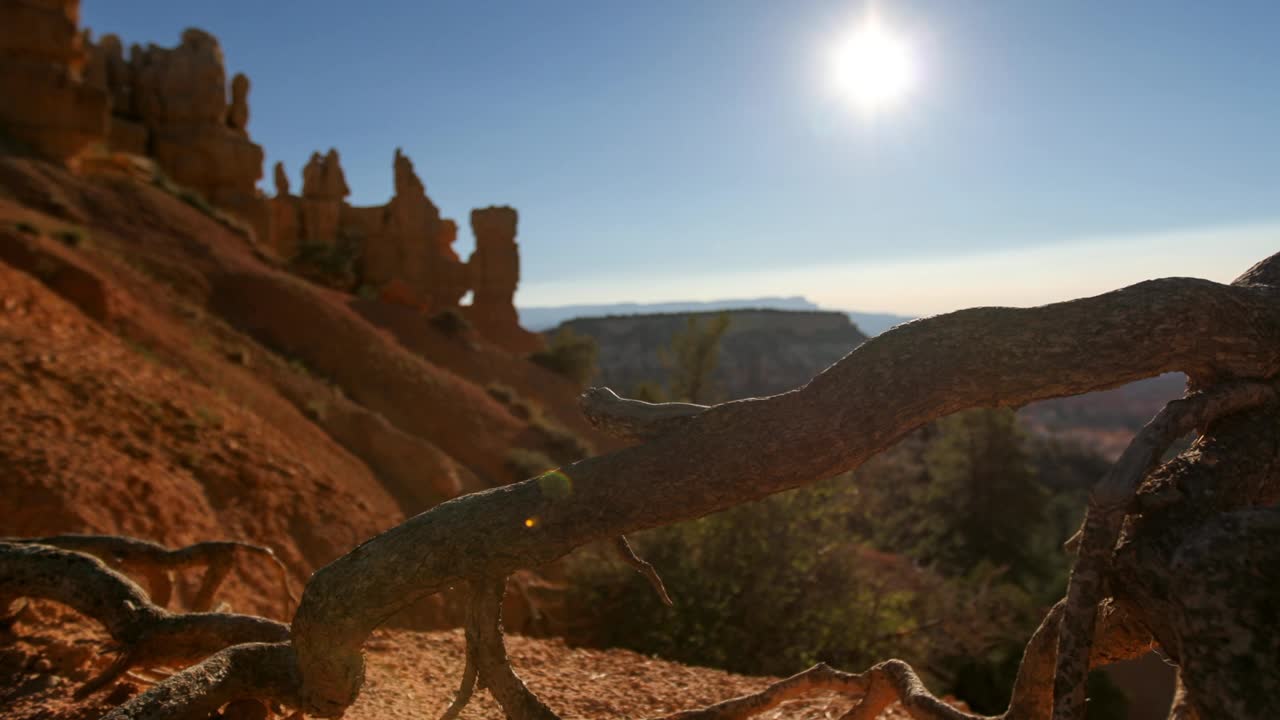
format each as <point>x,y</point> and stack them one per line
<point>162,379</point>
<point>50,651</point>
<point>159,377</point>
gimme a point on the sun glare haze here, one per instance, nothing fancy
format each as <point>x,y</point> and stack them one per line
<point>406,333</point>
<point>873,66</point>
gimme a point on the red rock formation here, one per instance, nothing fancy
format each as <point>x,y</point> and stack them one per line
<point>181,97</point>
<point>108,69</point>
<point>324,186</point>
<point>415,245</point>
<point>495,272</point>
<point>172,104</point>
<point>238,113</point>
<point>281,179</point>
<point>44,103</point>
<point>284,224</point>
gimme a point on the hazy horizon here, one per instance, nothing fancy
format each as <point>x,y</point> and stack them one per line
<point>672,150</point>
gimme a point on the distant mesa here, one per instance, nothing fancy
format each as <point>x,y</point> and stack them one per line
<point>69,99</point>
<point>762,352</point>
<point>545,318</point>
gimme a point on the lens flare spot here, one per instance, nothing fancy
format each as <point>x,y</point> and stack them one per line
<point>555,485</point>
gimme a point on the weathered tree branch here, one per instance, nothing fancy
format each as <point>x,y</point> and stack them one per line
<point>252,670</point>
<point>743,450</point>
<point>735,452</point>
<point>465,689</point>
<point>643,567</point>
<point>147,634</point>
<point>636,420</point>
<point>1108,503</point>
<point>1180,708</point>
<point>484,643</point>
<point>155,562</point>
<point>1191,509</point>
<point>818,678</point>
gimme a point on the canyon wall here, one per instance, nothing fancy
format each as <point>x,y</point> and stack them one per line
<point>46,106</point>
<point>66,97</point>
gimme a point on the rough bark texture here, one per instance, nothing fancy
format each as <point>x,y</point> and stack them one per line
<point>156,562</point>
<point>148,635</point>
<point>1103,518</point>
<point>251,670</point>
<point>743,450</point>
<point>1188,570</point>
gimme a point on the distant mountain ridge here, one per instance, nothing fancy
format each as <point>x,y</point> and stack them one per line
<point>764,351</point>
<point>543,318</point>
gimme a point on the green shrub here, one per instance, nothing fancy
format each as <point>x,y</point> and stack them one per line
<point>563,445</point>
<point>525,463</point>
<point>693,357</point>
<point>198,201</point>
<point>451,322</point>
<point>774,586</point>
<point>316,409</point>
<point>944,551</point>
<point>648,391</point>
<point>571,355</point>
<point>512,401</point>
<point>74,237</point>
<point>331,265</point>
<point>27,228</point>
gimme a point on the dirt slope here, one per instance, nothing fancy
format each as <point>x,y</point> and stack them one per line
<point>97,435</point>
<point>160,377</point>
<point>50,651</point>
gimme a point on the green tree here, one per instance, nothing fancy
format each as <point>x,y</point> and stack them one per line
<point>570,354</point>
<point>692,358</point>
<point>987,505</point>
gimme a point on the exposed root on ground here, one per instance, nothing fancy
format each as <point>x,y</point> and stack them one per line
<point>818,678</point>
<point>1205,602</point>
<point>156,563</point>
<point>253,671</point>
<point>147,634</point>
<point>1108,503</point>
<point>465,690</point>
<point>484,643</point>
<point>1119,638</point>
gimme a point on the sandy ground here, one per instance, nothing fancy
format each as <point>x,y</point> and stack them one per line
<point>50,651</point>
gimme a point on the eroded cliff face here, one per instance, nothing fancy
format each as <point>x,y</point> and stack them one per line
<point>495,272</point>
<point>762,352</point>
<point>405,247</point>
<point>45,104</point>
<point>171,104</point>
<point>68,98</point>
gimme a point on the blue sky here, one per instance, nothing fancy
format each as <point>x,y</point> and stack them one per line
<point>693,149</point>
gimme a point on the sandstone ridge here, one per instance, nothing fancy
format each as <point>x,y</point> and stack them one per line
<point>72,99</point>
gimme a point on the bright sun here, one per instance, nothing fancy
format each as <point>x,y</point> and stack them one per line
<point>873,66</point>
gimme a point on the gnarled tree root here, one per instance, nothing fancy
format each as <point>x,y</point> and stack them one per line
<point>146,633</point>
<point>484,643</point>
<point>156,563</point>
<point>1107,506</point>
<point>740,451</point>
<point>259,671</point>
<point>1119,638</point>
